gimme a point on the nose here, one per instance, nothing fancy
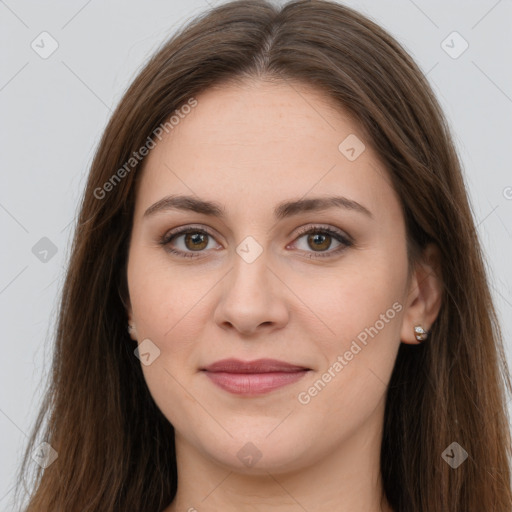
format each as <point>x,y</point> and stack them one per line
<point>253,298</point>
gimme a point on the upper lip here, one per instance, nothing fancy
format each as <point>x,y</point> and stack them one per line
<point>256,366</point>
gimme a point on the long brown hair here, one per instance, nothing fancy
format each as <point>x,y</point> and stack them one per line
<point>115,448</point>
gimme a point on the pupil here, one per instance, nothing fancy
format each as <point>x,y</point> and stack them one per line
<point>197,240</point>
<point>320,241</point>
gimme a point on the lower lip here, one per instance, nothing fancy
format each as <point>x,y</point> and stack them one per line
<point>253,383</point>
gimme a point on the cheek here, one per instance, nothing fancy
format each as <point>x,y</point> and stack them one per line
<point>168,310</point>
<point>365,313</point>
<point>161,297</point>
<point>363,306</point>
<point>366,292</point>
<point>165,311</point>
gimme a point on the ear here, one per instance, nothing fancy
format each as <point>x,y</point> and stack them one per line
<point>125,299</point>
<point>132,328</point>
<point>424,294</point>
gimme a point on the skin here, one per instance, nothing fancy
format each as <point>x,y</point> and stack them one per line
<point>250,147</point>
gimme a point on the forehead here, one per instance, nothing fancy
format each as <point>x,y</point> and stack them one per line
<point>254,142</point>
<point>245,116</point>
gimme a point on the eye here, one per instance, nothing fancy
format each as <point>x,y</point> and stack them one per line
<point>190,242</point>
<point>320,239</point>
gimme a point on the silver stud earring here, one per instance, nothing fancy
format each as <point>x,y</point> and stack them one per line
<point>420,333</point>
<point>130,328</point>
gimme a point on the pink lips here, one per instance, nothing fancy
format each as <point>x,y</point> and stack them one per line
<point>253,377</point>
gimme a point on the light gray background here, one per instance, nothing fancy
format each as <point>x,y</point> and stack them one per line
<point>54,110</point>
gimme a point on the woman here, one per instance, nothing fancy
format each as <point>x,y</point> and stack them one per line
<point>276,298</point>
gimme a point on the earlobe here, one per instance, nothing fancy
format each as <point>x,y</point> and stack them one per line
<point>424,299</point>
<point>132,331</point>
<point>125,300</point>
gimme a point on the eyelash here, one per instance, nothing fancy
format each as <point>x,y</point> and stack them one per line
<point>337,235</point>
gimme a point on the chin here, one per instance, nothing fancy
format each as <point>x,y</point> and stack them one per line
<point>260,452</point>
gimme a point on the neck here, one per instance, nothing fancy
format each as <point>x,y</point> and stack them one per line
<point>345,479</point>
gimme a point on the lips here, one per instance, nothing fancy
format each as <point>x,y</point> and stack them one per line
<point>253,377</point>
<point>257,366</point>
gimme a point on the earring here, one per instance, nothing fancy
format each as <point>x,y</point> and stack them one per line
<point>420,333</point>
<point>130,328</point>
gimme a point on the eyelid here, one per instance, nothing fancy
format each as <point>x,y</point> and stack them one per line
<point>168,236</point>
<point>324,228</point>
<point>181,230</point>
<point>344,239</point>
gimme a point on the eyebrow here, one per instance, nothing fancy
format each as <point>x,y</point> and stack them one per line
<point>283,210</point>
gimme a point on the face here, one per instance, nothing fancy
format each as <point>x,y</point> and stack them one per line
<point>323,289</point>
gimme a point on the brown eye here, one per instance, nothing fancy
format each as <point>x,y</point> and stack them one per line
<point>319,241</point>
<point>189,242</point>
<point>196,241</point>
<point>322,242</point>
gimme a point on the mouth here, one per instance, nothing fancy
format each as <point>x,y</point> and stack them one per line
<point>253,377</point>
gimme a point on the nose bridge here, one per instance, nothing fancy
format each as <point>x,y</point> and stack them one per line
<point>251,268</point>
<point>250,293</point>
